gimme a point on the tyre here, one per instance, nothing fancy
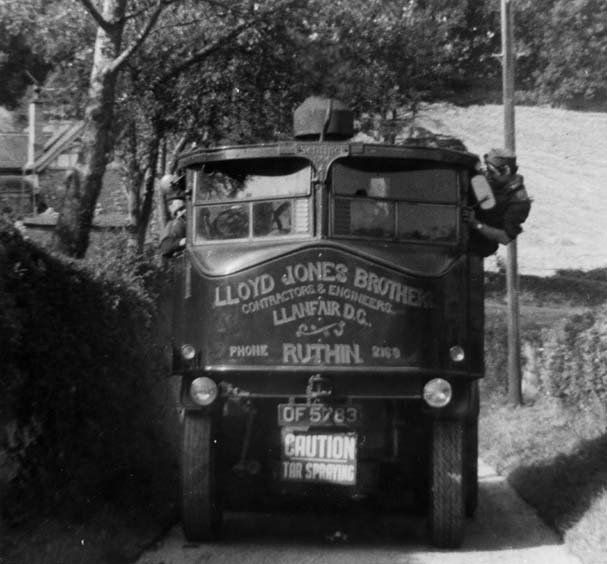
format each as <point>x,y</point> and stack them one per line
<point>447,487</point>
<point>201,511</point>
<point>471,467</point>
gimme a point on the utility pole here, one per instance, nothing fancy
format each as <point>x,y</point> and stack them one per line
<point>515,395</point>
<point>33,139</point>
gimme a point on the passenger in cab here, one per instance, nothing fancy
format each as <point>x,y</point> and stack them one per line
<point>174,235</point>
<point>501,223</point>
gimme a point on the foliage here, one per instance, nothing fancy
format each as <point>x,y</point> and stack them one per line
<point>553,449</point>
<point>568,357</point>
<point>16,60</point>
<point>82,377</point>
<point>496,356</point>
<point>381,56</point>
<point>577,288</point>
<point>229,78</point>
<point>59,52</point>
<point>563,48</point>
<point>575,52</point>
<point>596,274</point>
<point>389,50</point>
<point>375,56</point>
<point>574,361</point>
<point>213,72</point>
<point>563,358</point>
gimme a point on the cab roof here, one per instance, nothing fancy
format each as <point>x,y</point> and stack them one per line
<point>323,153</point>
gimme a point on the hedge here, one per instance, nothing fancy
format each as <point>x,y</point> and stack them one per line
<point>82,375</point>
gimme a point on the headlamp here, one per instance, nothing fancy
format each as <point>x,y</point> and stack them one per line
<point>203,391</point>
<point>437,392</point>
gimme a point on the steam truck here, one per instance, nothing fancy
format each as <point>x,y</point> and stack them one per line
<point>328,325</point>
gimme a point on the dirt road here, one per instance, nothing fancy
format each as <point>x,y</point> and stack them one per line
<point>505,531</point>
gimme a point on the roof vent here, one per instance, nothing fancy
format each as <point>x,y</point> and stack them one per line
<point>323,119</point>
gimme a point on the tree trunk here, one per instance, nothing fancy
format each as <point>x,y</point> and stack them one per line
<point>63,237</point>
<point>171,167</point>
<point>147,204</point>
<point>135,176</point>
<point>74,223</point>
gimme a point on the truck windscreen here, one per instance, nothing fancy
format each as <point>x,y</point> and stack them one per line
<point>387,201</point>
<point>252,198</point>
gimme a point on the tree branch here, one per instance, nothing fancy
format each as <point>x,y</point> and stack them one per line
<point>209,49</point>
<point>122,58</point>
<point>172,167</point>
<point>137,13</point>
<point>206,51</point>
<point>99,19</point>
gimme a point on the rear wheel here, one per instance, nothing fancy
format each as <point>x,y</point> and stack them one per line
<point>447,488</point>
<point>201,512</point>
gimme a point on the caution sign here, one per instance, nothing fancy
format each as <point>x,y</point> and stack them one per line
<point>328,458</point>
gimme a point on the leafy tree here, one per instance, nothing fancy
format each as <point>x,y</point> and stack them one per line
<point>191,32</point>
<point>18,63</point>
<point>85,180</point>
<point>382,56</point>
<point>530,23</point>
<point>232,72</point>
<point>574,44</point>
<point>58,34</point>
<point>174,91</point>
<point>562,47</point>
<point>170,82</point>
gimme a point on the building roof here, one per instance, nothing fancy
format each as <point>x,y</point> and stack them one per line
<point>58,144</point>
<point>13,151</point>
<point>13,148</point>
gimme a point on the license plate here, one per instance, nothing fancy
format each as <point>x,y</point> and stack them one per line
<point>327,458</point>
<point>306,415</point>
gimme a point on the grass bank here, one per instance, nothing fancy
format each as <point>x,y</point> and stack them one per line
<point>557,462</point>
<point>553,449</point>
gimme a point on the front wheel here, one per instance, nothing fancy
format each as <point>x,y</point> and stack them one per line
<point>201,511</point>
<point>447,488</point>
<point>471,466</point>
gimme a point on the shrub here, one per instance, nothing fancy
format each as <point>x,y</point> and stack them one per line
<point>574,360</point>
<point>562,357</point>
<point>572,287</point>
<point>496,356</point>
<point>83,374</point>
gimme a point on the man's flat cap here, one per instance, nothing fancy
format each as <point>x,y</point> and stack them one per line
<point>500,157</point>
<point>176,204</point>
